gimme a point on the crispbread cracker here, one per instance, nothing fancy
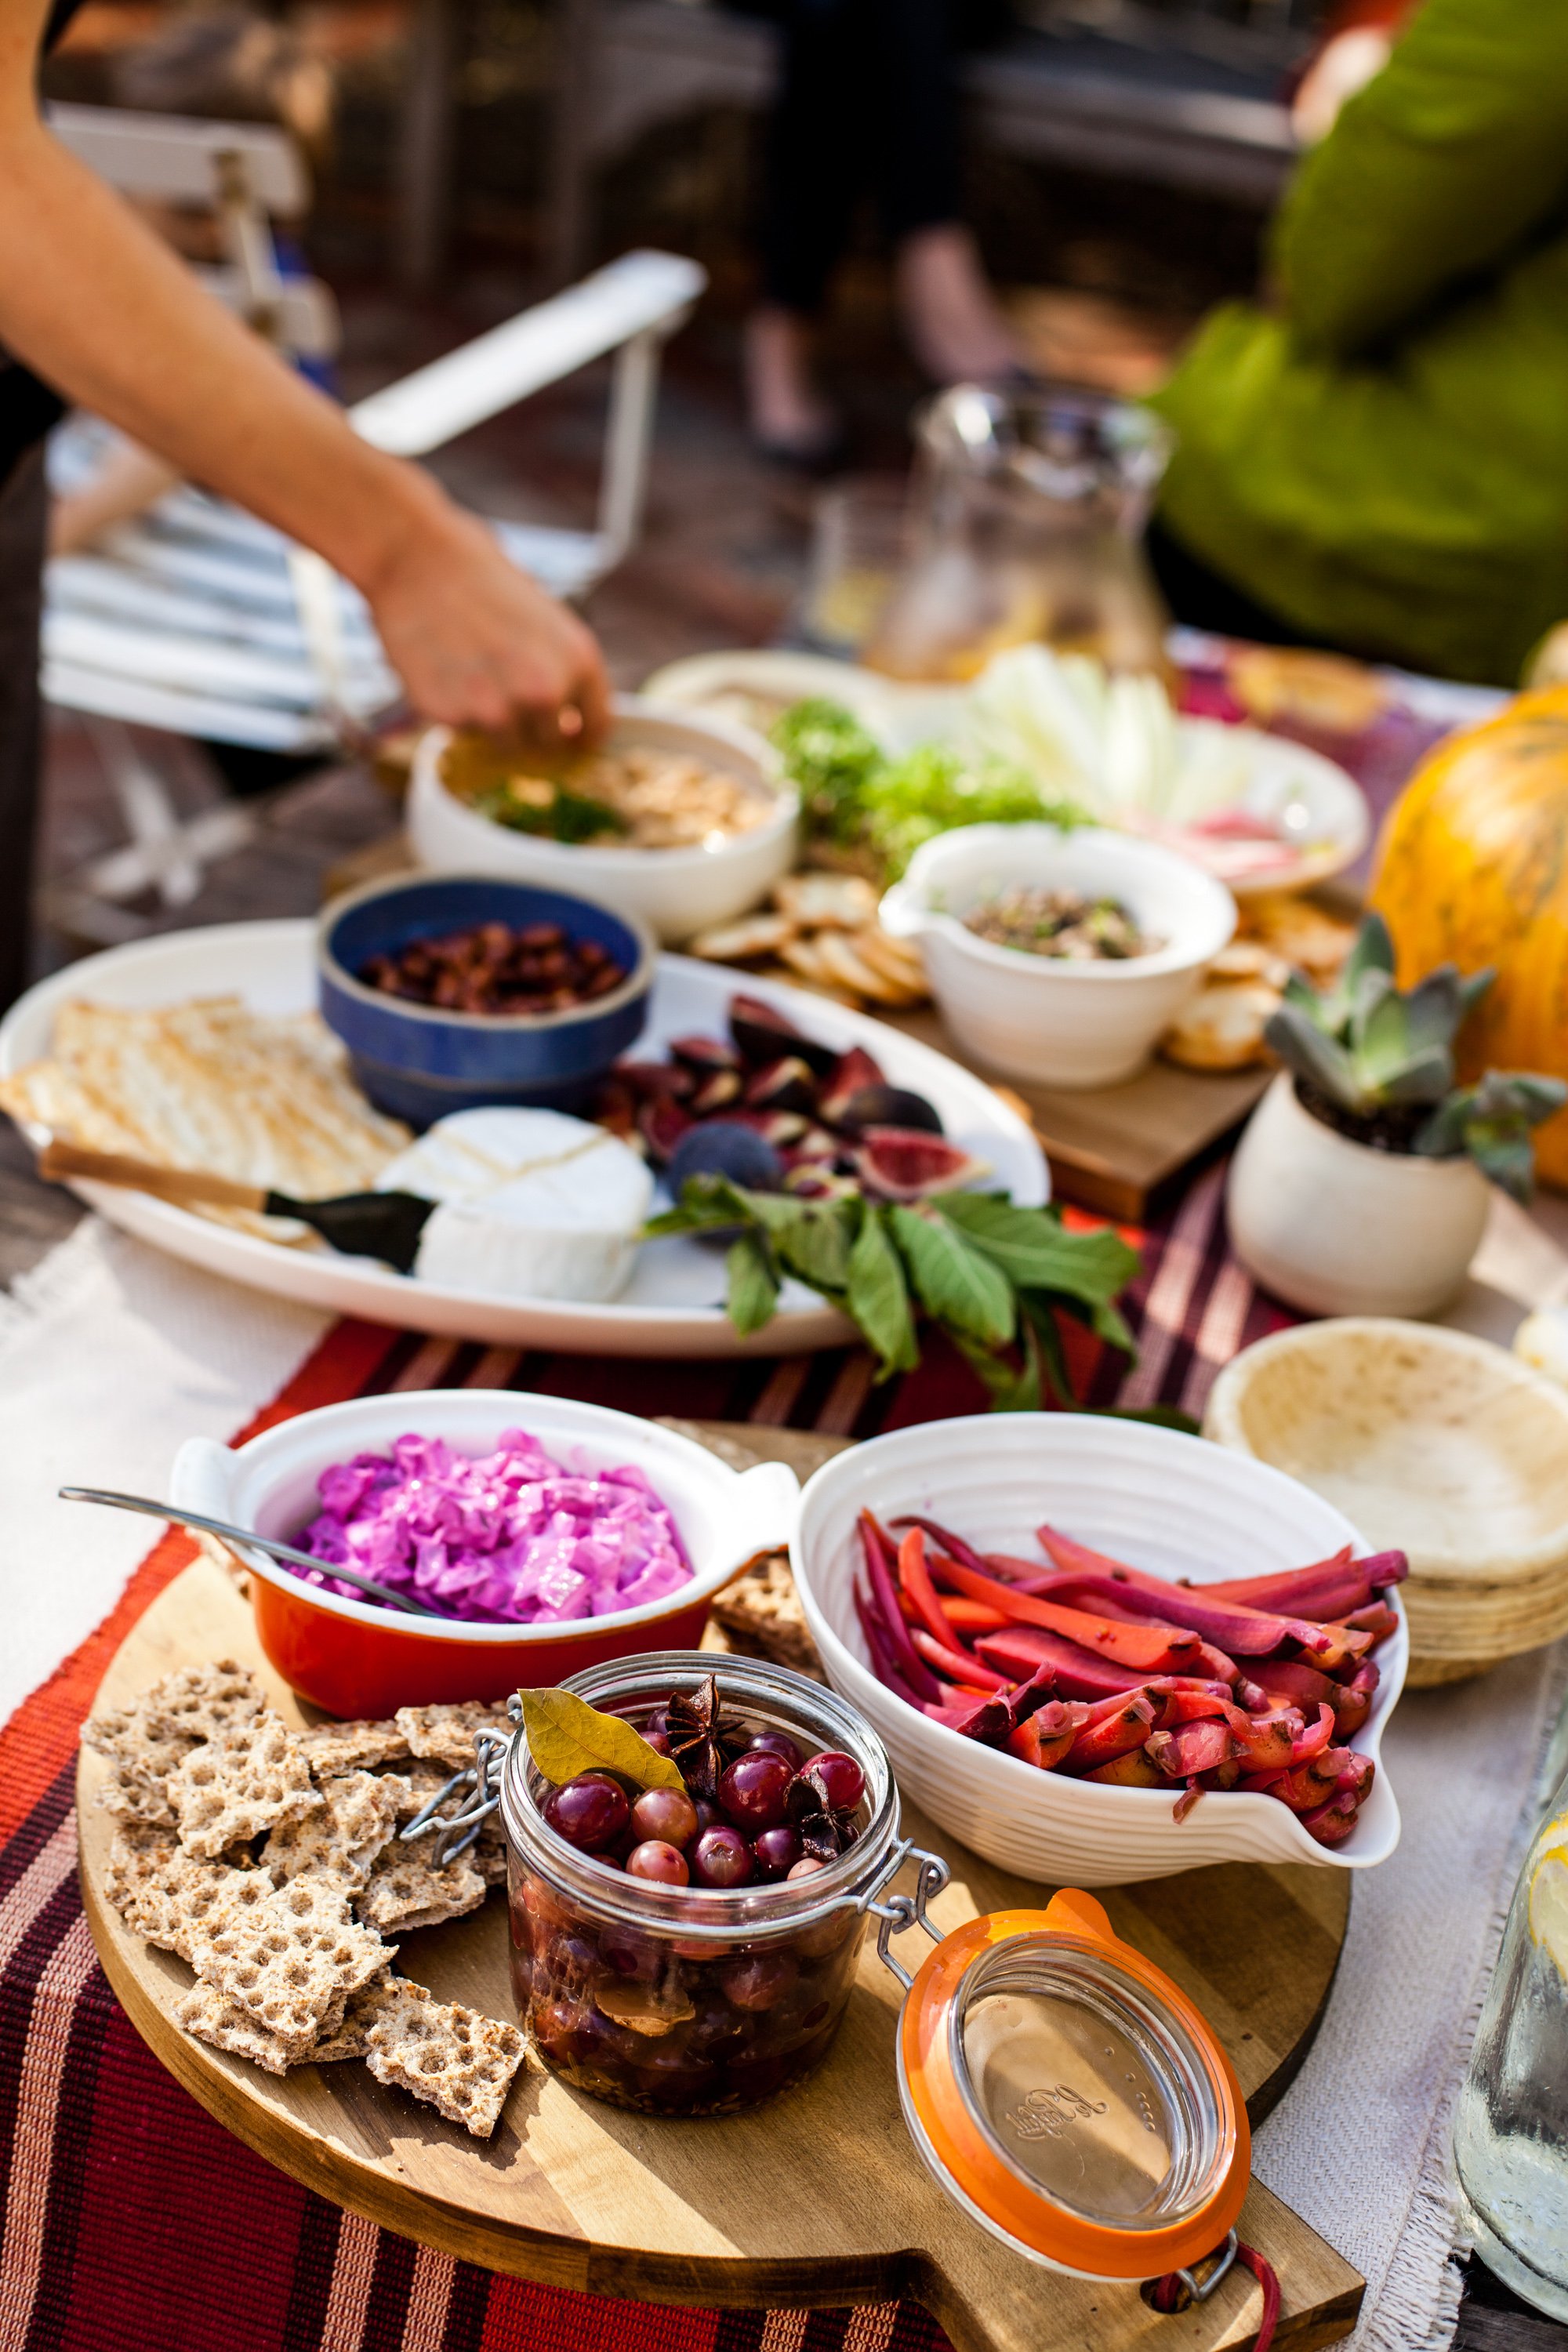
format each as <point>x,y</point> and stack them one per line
<point>245,1780</point>
<point>198,1702</point>
<point>447,1732</point>
<point>350,2036</point>
<point>168,1897</point>
<point>404,1891</point>
<point>332,1748</point>
<point>291,1961</point>
<point>762,1607</point>
<point>417,1783</point>
<point>211,1084</point>
<point>208,2016</point>
<point>458,2062</point>
<point>357,1814</point>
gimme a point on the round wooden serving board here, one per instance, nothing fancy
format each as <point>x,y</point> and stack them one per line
<point>816,2199</point>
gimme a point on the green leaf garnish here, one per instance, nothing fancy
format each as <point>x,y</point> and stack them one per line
<point>566,1736</point>
<point>877,1296</point>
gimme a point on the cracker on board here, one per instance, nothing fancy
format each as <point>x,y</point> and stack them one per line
<point>458,2062</point>
<point>332,1748</point>
<point>1222,1028</point>
<point>234,1787</point>
<point>358,1814</point>
<point>167,1896</point>
<point>291,1961</point>
<point>447,1732</point>
<point>416,1785</point>
<point>207,2015</point>
<point>140,1764</point>
<point>762,1607</point>
<point>349,2037</point>
<point>199,1702</point>
<point>404,1891</point>
<point>843,902</point>
<point>739,943</point>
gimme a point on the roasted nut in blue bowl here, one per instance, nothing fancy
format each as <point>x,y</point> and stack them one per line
<point>451,991</point>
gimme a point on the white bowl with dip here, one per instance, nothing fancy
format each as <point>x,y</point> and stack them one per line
<point>1062,1023</point>
<point>677,891</point>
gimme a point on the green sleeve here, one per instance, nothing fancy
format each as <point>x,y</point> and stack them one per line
<point>1442,164</point>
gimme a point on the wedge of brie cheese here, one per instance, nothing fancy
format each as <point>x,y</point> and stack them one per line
<point>532,1204</point>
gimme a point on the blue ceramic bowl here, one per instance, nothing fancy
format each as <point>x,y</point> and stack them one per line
<point>420,1062</point>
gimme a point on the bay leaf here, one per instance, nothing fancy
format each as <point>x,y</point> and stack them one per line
<point>566,1736</point>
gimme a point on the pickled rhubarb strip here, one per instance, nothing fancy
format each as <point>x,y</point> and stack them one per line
<point>1113,1735</point>
<point>1151,1646</point>
<point>1239,1631</point>
<point>954,1664</point>
<point>914,1580</point>
<point>884,1601</point>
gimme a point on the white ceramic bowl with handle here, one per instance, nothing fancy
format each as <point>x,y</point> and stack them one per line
<point>1175,1506</point>
<point>357,1657</point>
<point>678,892</point>
<point>1060,1023</point>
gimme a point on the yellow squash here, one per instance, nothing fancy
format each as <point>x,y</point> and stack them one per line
<point>1472,869</point>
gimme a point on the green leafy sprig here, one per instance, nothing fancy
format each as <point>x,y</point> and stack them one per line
<point>989,1273</point>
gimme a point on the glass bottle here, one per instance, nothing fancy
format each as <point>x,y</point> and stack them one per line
<point>1029,509</point>
<point>1511,2132</point>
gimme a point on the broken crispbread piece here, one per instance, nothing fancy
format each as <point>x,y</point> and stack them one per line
<point>404,1891</point>
<point>333,1748</point>
<point>291,1960</point>
<point>349,2037</point>
<point>458,2062</point>
<point>167,1896</point>
<point>342,1839</point>
<point>140,1764</point>
<point>207,2015</point>
<point>447,1732</point>
<point>244,1781</point>
<point>198,1702</point>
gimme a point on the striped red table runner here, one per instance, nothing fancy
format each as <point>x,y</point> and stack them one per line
<point>132,2221</point>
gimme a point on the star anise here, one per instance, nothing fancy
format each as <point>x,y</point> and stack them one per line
<point>702,1739</point>
<point>824,1831</point>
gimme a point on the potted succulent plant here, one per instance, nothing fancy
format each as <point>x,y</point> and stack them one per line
<point>1359,1186</point>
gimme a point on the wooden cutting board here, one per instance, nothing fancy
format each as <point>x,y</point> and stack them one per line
<point>1118,1150</point>
<point>816,2198</point>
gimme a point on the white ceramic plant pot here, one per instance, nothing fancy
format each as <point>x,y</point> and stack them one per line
<point>1337,1228</point>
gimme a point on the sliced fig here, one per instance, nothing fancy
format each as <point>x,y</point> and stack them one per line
<point>852,1073</point>
<point>780,1127</point>
<point>887,1107</point>
<point>662,1124</point>
<point>715,1093</point>
<point>723,1147</point>
<point>905,1164</point>
<point>656,1081</point>
<point>812,1181</point>
<point>761,1033</point>
<point>616,1108</point>
<point>786,1084</point>
<point>704,1055</point>
<point>815,1144</point>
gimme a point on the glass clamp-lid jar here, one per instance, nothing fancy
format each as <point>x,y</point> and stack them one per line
<point>1062,2090</point>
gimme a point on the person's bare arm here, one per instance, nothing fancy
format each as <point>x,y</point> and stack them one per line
<point>91,301</point>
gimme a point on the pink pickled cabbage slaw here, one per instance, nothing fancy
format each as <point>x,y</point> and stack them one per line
<point>513,1538</point>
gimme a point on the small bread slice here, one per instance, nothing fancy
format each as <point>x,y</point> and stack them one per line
<point>1222,1028</point>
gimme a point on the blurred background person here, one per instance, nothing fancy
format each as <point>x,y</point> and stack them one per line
<point>868,102</point>
<point>1376,458</point>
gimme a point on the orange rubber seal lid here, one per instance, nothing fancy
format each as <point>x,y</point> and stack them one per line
<point>1070,2096</point>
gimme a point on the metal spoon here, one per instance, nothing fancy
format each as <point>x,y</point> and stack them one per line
<point>154,1510</point>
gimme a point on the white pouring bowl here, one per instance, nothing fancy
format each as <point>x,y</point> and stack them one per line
<point>1060,1023</point>
<point>1175,1506</point>
<point>679,892</point>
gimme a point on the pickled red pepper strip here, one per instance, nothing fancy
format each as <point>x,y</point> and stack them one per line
<point>958,1668</point>
<point>1239,1630</point>
<point>1153,1647</point>
<point>914,1580</point>
<point>885,1601</point>
<point>881,1657</point>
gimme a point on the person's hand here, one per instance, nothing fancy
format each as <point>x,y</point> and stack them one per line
<point>478,642</point>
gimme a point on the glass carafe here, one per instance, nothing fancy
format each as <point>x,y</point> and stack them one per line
<point>1029,512</point>
<point>1511,2132</point>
